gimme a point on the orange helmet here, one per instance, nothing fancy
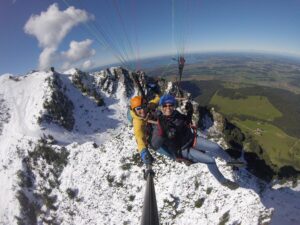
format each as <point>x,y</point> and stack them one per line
<point>136,101</point>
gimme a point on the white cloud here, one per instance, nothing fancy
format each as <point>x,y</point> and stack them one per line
<point>66,66</point>
<point>79,51</point>
<point>47,57</point>
<point>51,27</point>
<point>88,64</point>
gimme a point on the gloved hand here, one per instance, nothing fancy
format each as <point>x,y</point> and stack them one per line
<point>189,107</point>
<point>189,111</point>
<point>146,156</point>
<point>154,87</point>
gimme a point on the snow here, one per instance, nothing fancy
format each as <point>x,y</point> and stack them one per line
<point>109,185</point>
<point>6,75</point>
<point>98,199</point>
<point>70,71</point>
<point>24,100</point>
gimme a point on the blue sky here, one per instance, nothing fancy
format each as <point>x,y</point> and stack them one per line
<point>156,27</point>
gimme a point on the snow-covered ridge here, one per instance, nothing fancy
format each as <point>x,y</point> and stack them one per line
<point>91,174</point>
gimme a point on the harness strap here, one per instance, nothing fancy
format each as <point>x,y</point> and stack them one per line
<point>195,135</point>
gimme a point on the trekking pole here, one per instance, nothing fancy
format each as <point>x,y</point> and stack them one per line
<point>150,212</point>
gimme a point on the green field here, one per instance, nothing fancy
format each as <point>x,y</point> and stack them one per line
<point>253,106</point>
<point>280,148</point>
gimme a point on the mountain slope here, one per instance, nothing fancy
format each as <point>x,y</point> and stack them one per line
<point>90,172</point>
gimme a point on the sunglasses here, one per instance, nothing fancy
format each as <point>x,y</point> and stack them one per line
<point>168,106</point>
<point>140,107</point>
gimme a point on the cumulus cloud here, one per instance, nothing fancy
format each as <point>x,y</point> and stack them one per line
<point>88,64</point>
<point>51,27</point>
<point>79,51</point>
<point>66,66</point>
<point>47,57</point>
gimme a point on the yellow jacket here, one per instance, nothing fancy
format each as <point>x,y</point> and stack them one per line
<point>140,126</point>
<point>139,129</point>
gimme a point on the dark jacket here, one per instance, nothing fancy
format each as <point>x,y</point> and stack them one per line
<point>172,133</point>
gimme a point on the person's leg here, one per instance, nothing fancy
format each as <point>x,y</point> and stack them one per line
<point>167,153</point>
<point>199,157</point>
<point>211,148</point>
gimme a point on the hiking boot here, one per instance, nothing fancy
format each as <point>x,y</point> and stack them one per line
<point>236,163</point>
<point>230,184</point>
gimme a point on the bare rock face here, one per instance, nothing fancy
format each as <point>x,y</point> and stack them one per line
<point>4,114</point>
<point>219,120</point>
<point>111,79</point>
<point>86,83</point>
<point>59,108</point>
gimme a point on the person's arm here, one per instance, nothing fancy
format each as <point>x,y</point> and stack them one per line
<point>152,105</point>
<point>139,133</point>
<point>155,100</point>
<point>140,136</point>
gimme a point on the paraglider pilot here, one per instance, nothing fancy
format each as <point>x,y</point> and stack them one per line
<point>181,62</point>
<point>174,134</point>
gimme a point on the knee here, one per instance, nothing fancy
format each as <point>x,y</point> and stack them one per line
<point>156,142</point>
<point>166,152</point>
<point>211,160</point>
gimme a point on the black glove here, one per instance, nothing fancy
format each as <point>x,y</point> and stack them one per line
<point>189,107</point>
<point>154,87</point>
<point>189,112</point>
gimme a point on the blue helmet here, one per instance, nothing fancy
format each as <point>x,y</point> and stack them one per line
<point>167,99</point>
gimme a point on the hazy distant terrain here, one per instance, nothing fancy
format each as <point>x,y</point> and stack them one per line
<point>258,93</point>
<point>266,70</point>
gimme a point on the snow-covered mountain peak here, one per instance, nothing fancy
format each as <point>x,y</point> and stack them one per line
<point>68,156</point>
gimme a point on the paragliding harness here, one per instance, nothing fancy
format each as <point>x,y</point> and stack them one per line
<point>169,130</point>
<point>181,62</point>
<point>190,144</point>
<point>195,135</point>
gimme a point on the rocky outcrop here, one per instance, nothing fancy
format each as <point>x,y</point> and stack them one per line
<point>87,85</point>
<point>219,120</point>
<point>39,181</point>
<point>59,109</point>
<point>4,114</point>
<point>110,80</point>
